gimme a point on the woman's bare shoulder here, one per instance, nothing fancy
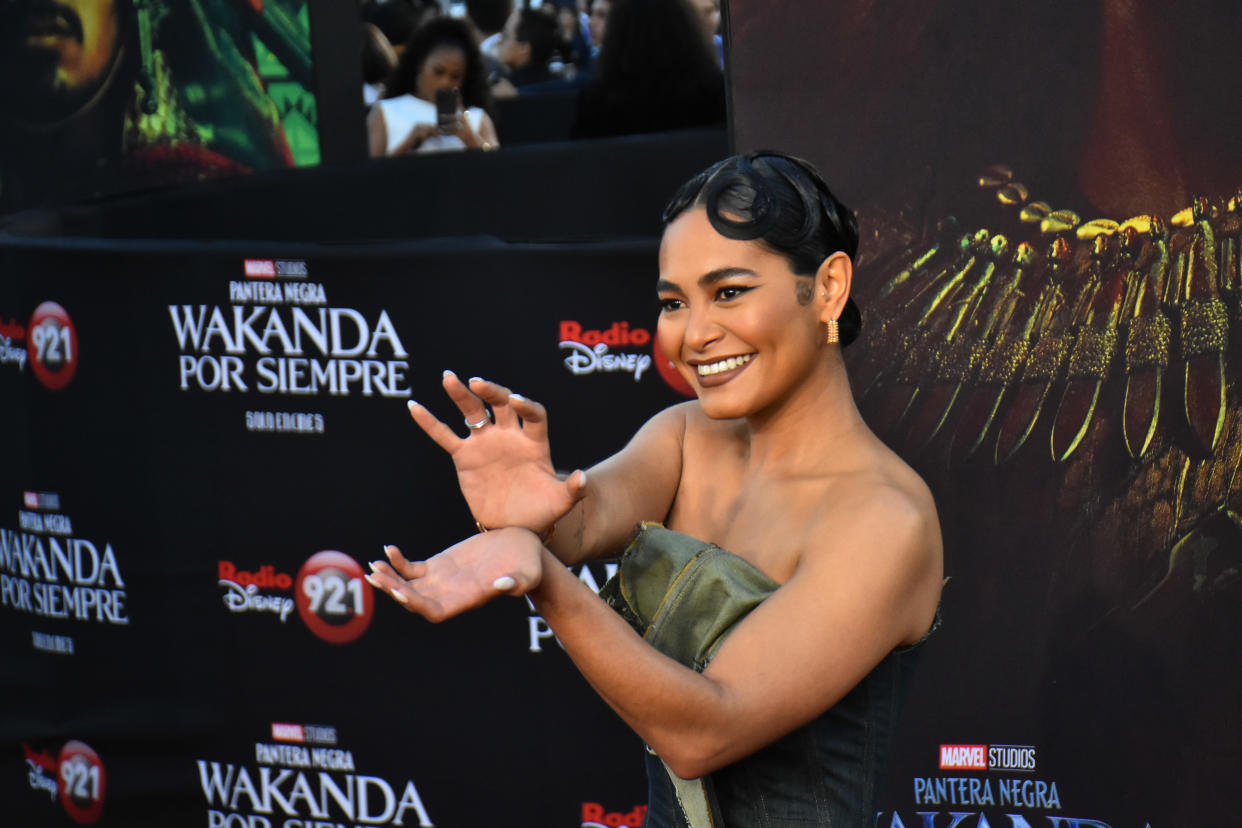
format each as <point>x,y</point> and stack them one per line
<point>884,518</point>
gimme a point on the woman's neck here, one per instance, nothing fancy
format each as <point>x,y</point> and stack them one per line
<point>806,432</point>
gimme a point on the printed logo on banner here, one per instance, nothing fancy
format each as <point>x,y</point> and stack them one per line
<point>591,351</point>
<point>13,344</point>
<point>333,597</point>
<point>329,592</point>
<point>613,350</point>
<point>49,343</point>
<point>76,778</point>
<point>278,336</point>
<point>1013,758</point>
<point>594,816</point>
<point>963,757</point>
<point>46,571</point>
<point>538,631</point>
<point>309,781</point>
<point>52,344</point>
<point>275,269</point>
<point>968,799</point>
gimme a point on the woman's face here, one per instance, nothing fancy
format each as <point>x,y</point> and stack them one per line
<point>444,68</point>
<point>740,326</point>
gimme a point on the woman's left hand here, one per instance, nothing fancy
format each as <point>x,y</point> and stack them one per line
<point>467,135</point>
<point>464,576</point>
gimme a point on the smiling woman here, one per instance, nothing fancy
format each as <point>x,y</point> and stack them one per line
<point>765,680</point>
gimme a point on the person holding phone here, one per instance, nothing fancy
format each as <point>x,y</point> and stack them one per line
<point>766,679</point>
<point>437,98</point>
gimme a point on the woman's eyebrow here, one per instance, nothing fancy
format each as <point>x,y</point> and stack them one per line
<point>711,277</point>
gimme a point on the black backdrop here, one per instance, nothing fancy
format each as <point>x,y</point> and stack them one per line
<point>173,481</point>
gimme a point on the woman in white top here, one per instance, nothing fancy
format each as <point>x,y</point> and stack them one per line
<point>442,54</point>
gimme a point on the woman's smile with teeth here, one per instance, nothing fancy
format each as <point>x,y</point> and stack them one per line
<point>723,365</point>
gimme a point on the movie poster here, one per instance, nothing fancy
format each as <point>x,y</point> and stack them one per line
<point>1050,279</point>
<point>104,96</point>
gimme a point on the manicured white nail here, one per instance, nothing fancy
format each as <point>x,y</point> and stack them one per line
<point>447,373</point>
<point>400,596</point>
<point>373,566</point>
<point>474,379</point>
<point>517,397</point>
<point>372,582</point>
<point>410,404</point>
<point>504,582</point>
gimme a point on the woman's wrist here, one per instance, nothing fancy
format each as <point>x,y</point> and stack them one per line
<point>544,536</point>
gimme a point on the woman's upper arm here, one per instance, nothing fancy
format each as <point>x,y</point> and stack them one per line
<point>635,484</point>
<point>377,132</point>
<point>814,639</point>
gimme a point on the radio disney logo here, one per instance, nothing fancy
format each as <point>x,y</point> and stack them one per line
<point>987,757</point>
<point>589,350</point>
<point>594,816</point>
<point>275,269</point>
<point>241,589</point>
<point>329,594</point>
<point>13,344</point>
<point>76,777</point>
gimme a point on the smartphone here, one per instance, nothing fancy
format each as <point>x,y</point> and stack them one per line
<point>448,111</point>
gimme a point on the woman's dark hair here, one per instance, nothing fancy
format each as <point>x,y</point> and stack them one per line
<point>655,48</point>
<point>781,202</point>
<point>378,58</point>
<point>442,31</point>
<point>538,29</point>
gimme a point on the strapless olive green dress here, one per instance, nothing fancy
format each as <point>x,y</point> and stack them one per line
<point>684,596</point>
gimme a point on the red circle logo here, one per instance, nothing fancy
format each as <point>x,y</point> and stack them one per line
<point>52,343</point>
<point>333,598</point>
<point>82,782</point>
<point>669,372</point>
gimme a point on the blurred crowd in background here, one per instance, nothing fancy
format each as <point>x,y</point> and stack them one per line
<point>475,74</point>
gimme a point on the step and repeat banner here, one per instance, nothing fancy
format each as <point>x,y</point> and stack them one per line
<point>204,446</point>
<point>1050,279</point>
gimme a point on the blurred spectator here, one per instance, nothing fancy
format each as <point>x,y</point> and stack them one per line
<point>378,61</point>
<point>442,54</point>
<point>575,42</point>
<point>488,16</point>
<point>655,72</point>
<point>709,11</point>
<point>529,40</point>
<point>597,16</point>
<point>399,19</point>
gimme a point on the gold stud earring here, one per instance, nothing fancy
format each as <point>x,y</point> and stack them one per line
<point>834,332</point>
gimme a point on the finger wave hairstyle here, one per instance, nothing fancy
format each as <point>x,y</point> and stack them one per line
<point>782,202</point>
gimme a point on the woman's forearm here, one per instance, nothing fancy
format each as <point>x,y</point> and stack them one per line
<point>672,708</point>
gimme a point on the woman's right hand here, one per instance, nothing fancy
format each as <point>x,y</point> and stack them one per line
<point>417,136</point>
<point>504,467</point>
